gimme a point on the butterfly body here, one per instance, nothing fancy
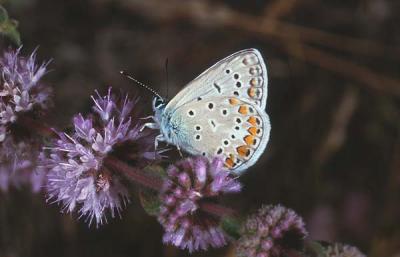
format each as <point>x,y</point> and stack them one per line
<point>220,113</point>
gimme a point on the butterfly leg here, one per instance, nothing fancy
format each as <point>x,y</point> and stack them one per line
<point>148,117</point>
<point>180,153</point>
<point>159,138</point>
<point>150,125</point>
<point>179,150</point>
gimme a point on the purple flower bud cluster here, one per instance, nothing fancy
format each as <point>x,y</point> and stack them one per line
<point>18,165</point>
<point>188,182</point>
<point>342,250</point>
<point>76,175</point>
<point>20,87</point>
<point>20,92</point>
<point>271,231</point>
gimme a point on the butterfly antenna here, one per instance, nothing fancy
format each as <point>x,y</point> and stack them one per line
<point>166,73</point>
<point>141,84</point>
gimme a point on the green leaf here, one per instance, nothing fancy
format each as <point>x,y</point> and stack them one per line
<point>231,226</point>
<point>8,27</point>
<point>155,170</point>
<point>315,249</point>
<point>149,198</point>
<point>12,33</point>
<point>150,202</point>
<point>3,14</point>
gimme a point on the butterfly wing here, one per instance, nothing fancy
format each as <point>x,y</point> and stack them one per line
<point>242,75</point>
<point>229,127</point>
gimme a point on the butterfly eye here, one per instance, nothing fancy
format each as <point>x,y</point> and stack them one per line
<point>158,102</point>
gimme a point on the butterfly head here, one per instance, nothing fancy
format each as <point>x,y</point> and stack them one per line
<point>158,108</point>
<point>158,104</point>
<point>169,127</point>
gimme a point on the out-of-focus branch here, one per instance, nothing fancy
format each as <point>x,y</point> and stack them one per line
<point>335,41</point>
<point>202,13</point>
<point>216,15</point>
<point>338,129</point>
<point>278,9</point>
<point>345,68</point>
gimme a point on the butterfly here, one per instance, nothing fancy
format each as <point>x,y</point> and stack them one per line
<point>220,113</point>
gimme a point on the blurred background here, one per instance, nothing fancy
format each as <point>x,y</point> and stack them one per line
<point>334,104</point>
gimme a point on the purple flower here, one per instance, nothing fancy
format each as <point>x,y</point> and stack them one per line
<point>20,92</point>
<point>342,250</point>
<point>77,177</point>
<point>188,182</point>
<point>18,165</point>
<point>20,87</point>
<point>271,231</point>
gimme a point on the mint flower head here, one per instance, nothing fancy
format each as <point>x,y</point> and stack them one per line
<point>188,183</point>
<point>20,88</point>
<point>18,165</point>
<point>270,232</point>
<point>22,94</point>
<point>77,178</point>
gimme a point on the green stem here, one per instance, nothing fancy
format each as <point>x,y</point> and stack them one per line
<point>134,174</point>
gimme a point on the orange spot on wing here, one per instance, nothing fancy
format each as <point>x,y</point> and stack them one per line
<point>249,139</point>
<point>253,131</point>
<point>243,151</point>
<point>253,82</point>
<point>234,101</point>
<point>251,92</point>
<point>229,162</point>
<point>243,109</point>
<point>252,120</point>
<point>254,92</point>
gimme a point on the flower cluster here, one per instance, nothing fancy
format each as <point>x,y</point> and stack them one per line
<point>271,231</point>
<point>20,91</point>
<point>20,87</point>
<point>18,165</point>
<point>342,250</point>
<point>77,177</point>
<point>189,181</point>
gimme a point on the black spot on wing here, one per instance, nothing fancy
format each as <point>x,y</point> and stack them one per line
<point>217,87</point>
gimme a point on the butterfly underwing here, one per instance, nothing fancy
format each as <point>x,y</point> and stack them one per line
<point>220,113</point>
